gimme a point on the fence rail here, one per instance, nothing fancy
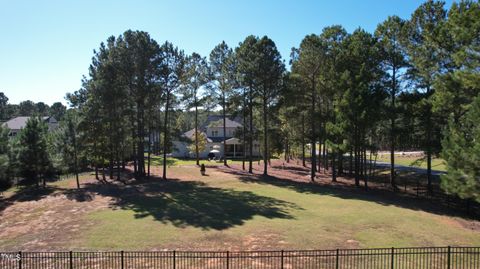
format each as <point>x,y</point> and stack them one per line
<point>381,258</point>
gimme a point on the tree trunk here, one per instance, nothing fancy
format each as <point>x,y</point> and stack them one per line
<point>110,165</point>
<point>321,157</point>
<point>287,150</point>
<point>325,156</point>
<point>135,163</point>
<point>134,149</point>
<point>75,159</point>
<point>357,160</point>
<point>429,145</point>
<point>265,136</point>
<point>149,150</point>
<point>141,140</point>
<point>165,137</point>
<point>340,163</point>
<point>250,160</point>
<point>392,129</point>
<point>103,174</point>
<point>313,136</point>
<point>196,133</point>
<point>303,141</point>
<point>224,129</point>
<point>244,135</point>
<point>350,163</point>
<point>119,163</point>
<point>334,172</point>
<point>365,174</point>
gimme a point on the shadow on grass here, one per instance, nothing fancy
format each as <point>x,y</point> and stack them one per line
<point>301,171</point>
<point>25,194</point>
<point>349,191</point>
<point>191,203</point>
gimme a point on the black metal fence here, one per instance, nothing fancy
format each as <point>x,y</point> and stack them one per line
<point>384,258</point>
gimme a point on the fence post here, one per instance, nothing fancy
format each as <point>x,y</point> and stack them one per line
<point>336,259</point>
<point>19,260</point>
<point>121,259</point>
<point>281,259</point>
<point>71,259</point>
<point>448,257</point>
<point>228,259</point>
<point>174,257</point>
<point>393,258</point>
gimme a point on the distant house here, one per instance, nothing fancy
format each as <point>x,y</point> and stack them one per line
<point>213,130</point>
<point>18,123</point>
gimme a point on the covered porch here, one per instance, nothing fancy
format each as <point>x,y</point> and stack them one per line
<point>234,148</point>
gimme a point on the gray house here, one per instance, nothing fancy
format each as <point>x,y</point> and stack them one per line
<point>212,128</point>
<point>18,123</point>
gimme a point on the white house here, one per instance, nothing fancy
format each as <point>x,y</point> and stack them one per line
<point>18,123</point>
<point>213,130</point>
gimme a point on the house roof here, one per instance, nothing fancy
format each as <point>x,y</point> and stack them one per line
<point>189,135</point>
<point>214,121</point>
<point>20,122</point>
<point>217,121</point>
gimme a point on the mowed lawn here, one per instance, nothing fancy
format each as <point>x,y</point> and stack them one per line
<point>222,211</point>
<point>437,163</point>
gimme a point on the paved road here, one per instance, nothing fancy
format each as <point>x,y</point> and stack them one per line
<point>405,168</point>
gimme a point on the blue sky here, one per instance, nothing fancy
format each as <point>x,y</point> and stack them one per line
<point>46,46</point>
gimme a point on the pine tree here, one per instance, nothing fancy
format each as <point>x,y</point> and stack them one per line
<point>389,35</point>
<point>422,39</point>
<point>171,69</point>
<point>195,79</point>
<point>307,64</point>
<point>247,58</point>
<point>34,159</point>
<point>67,144</point>
<point>5,179</point>
<point>57,110</point>
<point>461,151</point>
<point>223,69</point>
<point>269,73</point>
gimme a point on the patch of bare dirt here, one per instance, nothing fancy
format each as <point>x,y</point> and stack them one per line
<point>467,224</point>
<point>263,241</point>
<point>49,223</point>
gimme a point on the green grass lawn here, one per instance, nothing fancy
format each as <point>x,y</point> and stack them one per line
<point>171,161</point>
<point>226,211</point>
<point>437,163</point>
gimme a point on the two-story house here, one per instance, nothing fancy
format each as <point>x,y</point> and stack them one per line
<point>18,123</point>
<point>213,130</point>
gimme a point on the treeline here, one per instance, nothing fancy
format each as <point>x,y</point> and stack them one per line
<point>35,153</point>
<point>29,108</point>
<point>395,88</point>
<point>409,85</point>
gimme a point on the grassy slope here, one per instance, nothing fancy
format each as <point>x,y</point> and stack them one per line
<point>437,163</point>
<point>197,218</point>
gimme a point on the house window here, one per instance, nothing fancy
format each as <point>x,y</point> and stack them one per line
<point>214,133</point>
